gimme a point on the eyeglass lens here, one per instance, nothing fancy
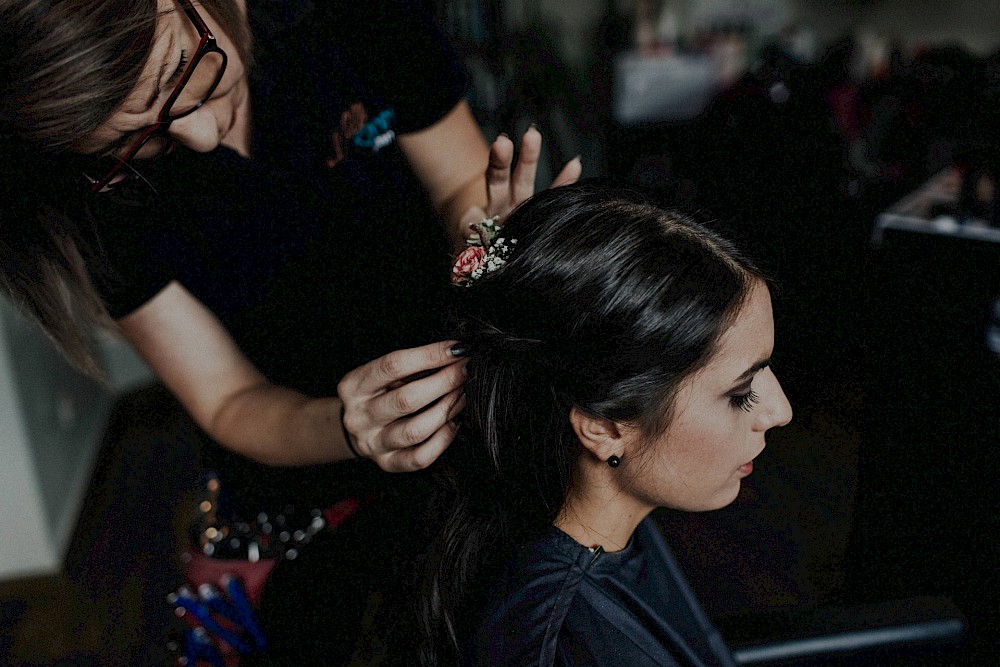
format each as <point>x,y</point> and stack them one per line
<point>199,86</point>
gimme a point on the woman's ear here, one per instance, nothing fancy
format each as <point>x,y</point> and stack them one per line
<point>601,437</point>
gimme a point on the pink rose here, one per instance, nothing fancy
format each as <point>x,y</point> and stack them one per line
<point>467,262</point>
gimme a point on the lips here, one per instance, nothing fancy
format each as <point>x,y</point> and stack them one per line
<point>747,467</point>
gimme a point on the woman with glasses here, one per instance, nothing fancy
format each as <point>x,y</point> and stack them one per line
<point>252,195</point>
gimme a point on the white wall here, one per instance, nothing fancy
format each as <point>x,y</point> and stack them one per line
<point>25,542</point>
<point>51,420</point>
<point>973,23</point>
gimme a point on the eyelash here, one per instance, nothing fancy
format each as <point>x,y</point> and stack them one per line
<point>180,67</point>
<point>745,402</point>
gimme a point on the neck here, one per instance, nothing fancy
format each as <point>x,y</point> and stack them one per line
<point>597,512</point>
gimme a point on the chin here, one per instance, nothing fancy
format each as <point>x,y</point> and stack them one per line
<point>723,498</point>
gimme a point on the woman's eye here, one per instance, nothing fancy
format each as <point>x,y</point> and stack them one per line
<point>181,66</point>
<point>745,401</point>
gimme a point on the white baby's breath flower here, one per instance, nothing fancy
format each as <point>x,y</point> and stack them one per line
<point>498,248</point>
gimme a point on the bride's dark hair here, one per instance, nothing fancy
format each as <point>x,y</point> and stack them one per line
<point>607,302</point>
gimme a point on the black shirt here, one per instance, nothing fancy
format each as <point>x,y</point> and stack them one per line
<point>560,603</point>
<point>321,252</point>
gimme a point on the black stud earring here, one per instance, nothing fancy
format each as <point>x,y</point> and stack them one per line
<point>613,461</point>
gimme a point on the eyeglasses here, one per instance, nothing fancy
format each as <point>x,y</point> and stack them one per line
<point>199,80</point>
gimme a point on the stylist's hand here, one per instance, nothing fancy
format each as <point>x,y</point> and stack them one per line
<point>398,409</point>
<point>506,187</point>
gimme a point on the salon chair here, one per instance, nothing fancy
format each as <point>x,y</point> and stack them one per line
<point>927,631</point>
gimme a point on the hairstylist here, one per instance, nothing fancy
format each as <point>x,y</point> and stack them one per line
<point>253,193</point>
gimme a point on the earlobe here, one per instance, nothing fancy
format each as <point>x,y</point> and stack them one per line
<point>601,437</point>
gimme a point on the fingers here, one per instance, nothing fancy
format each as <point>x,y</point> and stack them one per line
<point>420,427</point>
<point>506,189</point>
<point>404,400</point>
<point>570,173</point>
<point>376,376</point>
<point>415,396</point>
<point>523,185</point>
<point>424,437</point>
<point>498,176</point>
<point>421,456</point>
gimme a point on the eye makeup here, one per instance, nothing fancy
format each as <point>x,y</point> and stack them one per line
<point>746,401</point>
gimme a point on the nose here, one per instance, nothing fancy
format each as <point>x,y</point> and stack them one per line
<point>199,131</point>
<point>775,410</point>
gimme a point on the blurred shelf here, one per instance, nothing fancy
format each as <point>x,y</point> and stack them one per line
<point>916,213</point>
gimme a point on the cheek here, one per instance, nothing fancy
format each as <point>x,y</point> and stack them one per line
<point>695,466</point>
<point>700,455</point>
<point>234,72</point>
<point>704,439</point>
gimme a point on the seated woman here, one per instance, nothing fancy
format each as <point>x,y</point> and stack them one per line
<point>618,362</point>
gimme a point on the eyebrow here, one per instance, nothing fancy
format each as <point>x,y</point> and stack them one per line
<point>750,372</point>
<point>155,95</point>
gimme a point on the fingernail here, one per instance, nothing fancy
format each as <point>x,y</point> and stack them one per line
<point>534,127</point>
<point>577,158</point>
<point>458,350</point>
<point>504,135</point>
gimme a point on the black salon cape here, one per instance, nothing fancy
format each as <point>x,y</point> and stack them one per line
<point>559,603</point>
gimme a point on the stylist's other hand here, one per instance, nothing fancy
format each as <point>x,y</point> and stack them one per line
<point>507,187</point>
<point>399,409</point>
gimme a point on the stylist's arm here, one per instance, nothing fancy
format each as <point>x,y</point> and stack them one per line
<point>449,157</point>
<point>400,425</point>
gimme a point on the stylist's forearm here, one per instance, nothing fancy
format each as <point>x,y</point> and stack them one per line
<point>449,159</point>
<point>280,427</point>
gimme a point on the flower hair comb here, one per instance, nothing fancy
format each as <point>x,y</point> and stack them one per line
<point>487,251</point>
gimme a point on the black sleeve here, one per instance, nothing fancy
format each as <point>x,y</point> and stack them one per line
<point>127,265</point>
<point>400,55</point>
